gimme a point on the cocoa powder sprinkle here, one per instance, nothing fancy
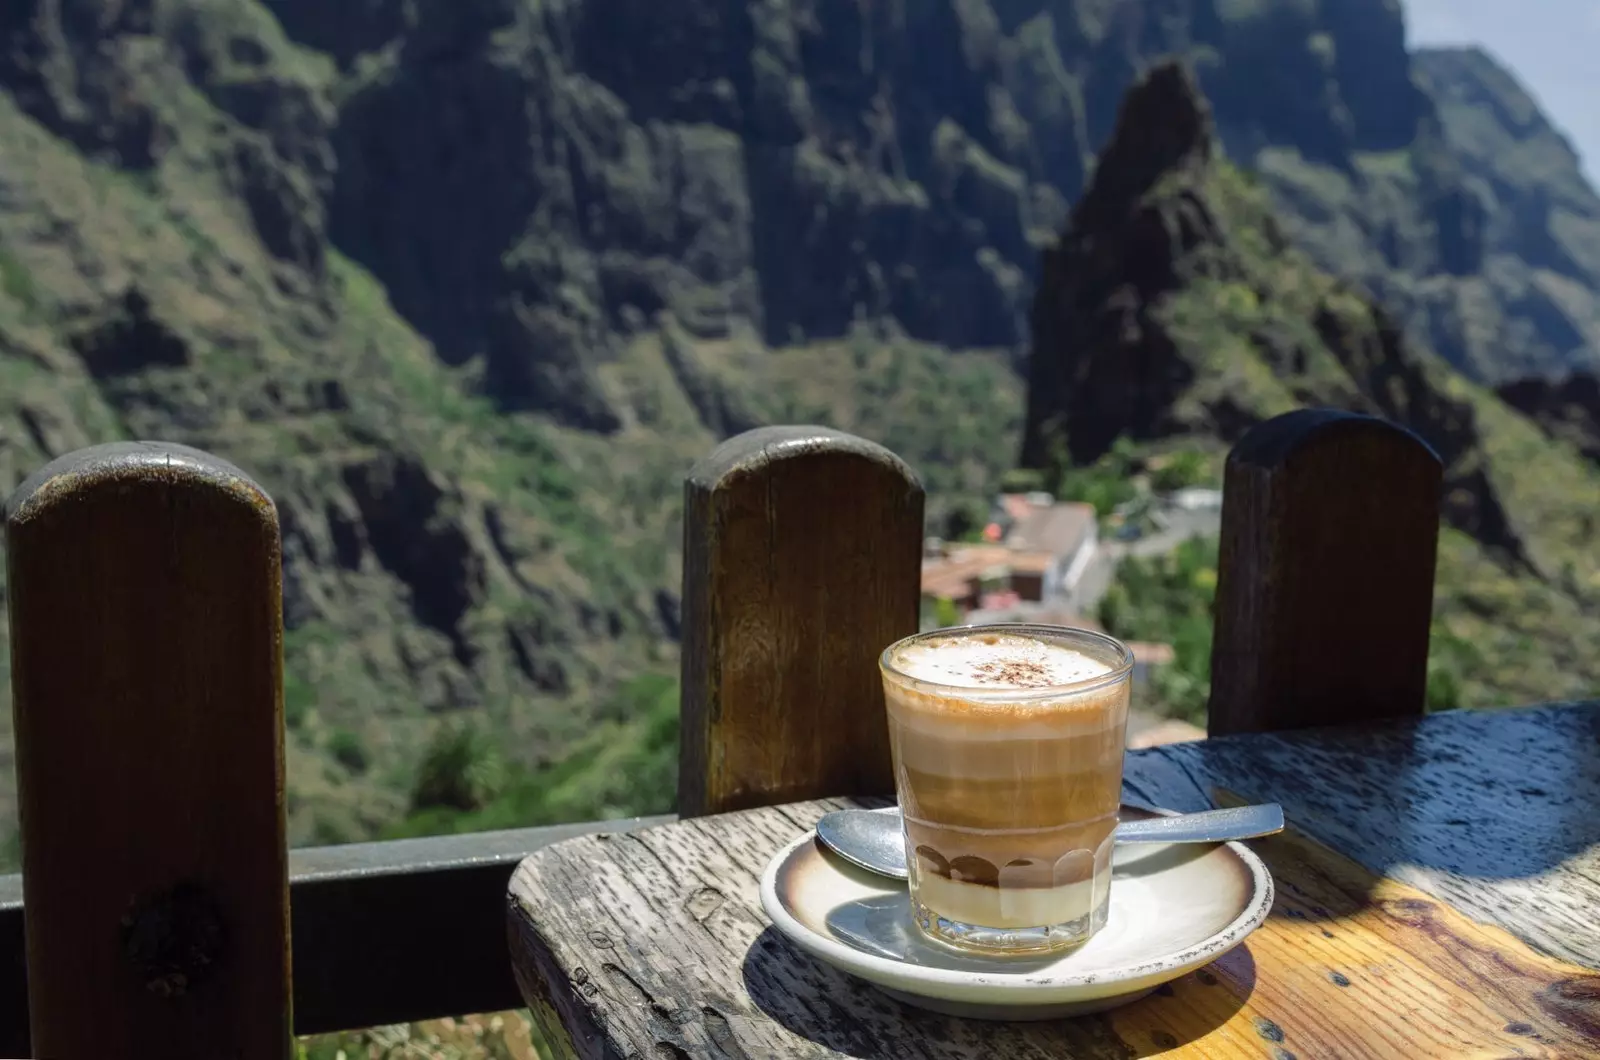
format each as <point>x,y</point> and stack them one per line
<point>1019,673</point>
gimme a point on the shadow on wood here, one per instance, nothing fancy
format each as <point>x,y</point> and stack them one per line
<point>802,562</point>
<point>146,646</point>
<point>1330,526</point>
<point>656,944</point>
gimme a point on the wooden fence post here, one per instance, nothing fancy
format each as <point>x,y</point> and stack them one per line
<point>1330,527</point>
<point>146,644</point>
<point>802,562</point>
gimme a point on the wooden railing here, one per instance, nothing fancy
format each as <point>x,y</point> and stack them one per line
<point>147,678</point>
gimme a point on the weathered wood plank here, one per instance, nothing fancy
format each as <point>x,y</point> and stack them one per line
<point>1491,811</point>
<point>654,943</point>
<point>146,663</point>
<point>1330,524</point>
<point>1355,965</point>
<point>801,564</point>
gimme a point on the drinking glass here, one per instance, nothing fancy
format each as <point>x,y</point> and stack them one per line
<point>1009,793</point>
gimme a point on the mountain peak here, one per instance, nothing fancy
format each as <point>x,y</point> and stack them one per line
<point>1163,126</point>
<point>1173,307</point>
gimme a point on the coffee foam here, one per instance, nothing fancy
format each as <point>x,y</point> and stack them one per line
<point>996,662</point>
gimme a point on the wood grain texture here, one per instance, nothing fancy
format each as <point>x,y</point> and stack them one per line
<point>146,648</point>
<point>802,562</point>
<point>654,943</point>
<point>1330,524</point>
<point>1492,811</point>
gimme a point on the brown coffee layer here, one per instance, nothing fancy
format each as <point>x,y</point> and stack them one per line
<point>937,749</point>
<point>1019,873</point>
<point>1085,885</point>
<point>1028,802</point>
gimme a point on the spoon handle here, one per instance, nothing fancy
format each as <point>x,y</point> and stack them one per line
<point>1236,822</point>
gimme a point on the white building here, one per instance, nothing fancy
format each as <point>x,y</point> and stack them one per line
<point>1196,499</point>
<point>1068,532</point>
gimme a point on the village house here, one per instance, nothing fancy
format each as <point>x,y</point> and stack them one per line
<point>1069,533</point>
<point>1035,552</point>
<point>1036,548</point>
<point>967,575</point>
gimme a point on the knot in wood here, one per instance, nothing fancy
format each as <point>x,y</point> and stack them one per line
<point>174,939</point>
<point>1574,1003</point>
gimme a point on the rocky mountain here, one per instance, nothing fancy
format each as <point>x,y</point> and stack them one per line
<point>1567,408</point>
<point>1541,265</point>
<point>1479,231</point>
<point>476,446</point>
<point>926,152</point>
<point>1174,308</point>
<point>469,283</point>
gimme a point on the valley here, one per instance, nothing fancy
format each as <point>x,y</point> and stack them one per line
<point>468,286</point>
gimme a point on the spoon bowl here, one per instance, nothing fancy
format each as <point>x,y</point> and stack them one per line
<point>875,839</point>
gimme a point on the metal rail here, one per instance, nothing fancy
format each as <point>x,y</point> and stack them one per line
<point>386,932</point>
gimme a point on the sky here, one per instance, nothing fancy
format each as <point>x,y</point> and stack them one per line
<point>1553,47</point>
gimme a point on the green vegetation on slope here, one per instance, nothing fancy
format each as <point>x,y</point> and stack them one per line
<point>626,766</point>
<point>489,1036</point>
<point>455,562</point>
<point>475,430</point>
<point>470,349</point>
<point>1496,639</point>
<point>1167,599</point>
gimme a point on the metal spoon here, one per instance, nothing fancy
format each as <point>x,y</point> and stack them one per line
<point>874,839</point>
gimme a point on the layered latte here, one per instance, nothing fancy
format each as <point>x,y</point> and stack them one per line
<point>1008,745</point>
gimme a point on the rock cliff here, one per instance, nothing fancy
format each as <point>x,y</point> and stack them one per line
<point>1568,409</point>
<point>468,283</point>
<point>1174,304</point>
<point>1174,309</point>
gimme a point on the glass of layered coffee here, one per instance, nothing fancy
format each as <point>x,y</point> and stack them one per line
<point>1008,744</point>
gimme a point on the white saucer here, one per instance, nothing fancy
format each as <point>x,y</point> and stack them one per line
<point>1174,908</point>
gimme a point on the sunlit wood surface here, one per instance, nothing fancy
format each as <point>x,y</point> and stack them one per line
<point>1436,897</point>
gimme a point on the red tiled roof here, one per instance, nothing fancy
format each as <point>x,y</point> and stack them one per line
<point>1016,505</point>
<point>951,575</point>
